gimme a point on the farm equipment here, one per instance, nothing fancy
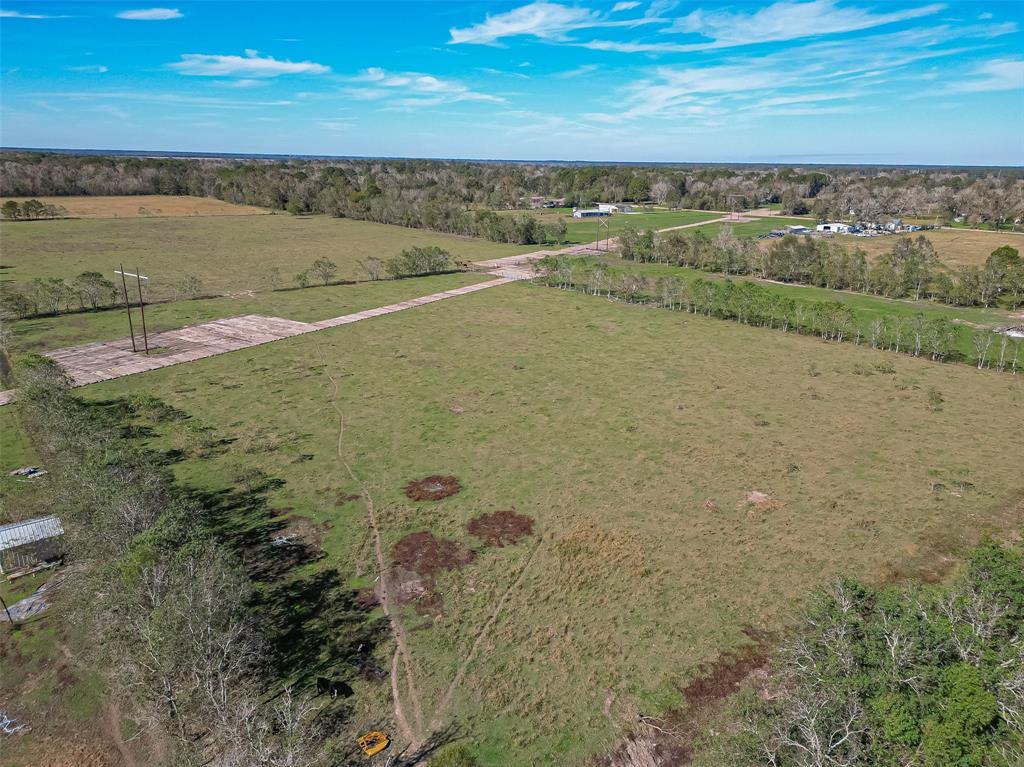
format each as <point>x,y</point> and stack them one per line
<point>373,743</point>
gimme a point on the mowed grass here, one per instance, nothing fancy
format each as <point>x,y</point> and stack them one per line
<point>145,205</point>
<point>583,230</point>
<point>229,254</point>
<point>306,305</point>
<point>632,436</point>
<point>753,228</point>
<point>954,248</point>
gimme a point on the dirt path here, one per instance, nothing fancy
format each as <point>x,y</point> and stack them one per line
<point>413,735</point>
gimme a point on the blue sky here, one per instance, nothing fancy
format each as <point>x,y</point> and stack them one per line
<point>807,81</point>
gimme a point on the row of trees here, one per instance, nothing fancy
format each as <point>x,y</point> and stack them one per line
<point>87,291</point>
<point>911,269</point>
<point>896,676</point>
<point>170,612</point>
<point>753,304</point>
<point>30,210</point>
<point>437,194</point>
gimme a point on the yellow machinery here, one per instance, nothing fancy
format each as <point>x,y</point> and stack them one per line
<point>373,742</point>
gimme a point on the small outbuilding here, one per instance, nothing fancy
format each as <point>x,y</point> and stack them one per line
<point>589,213</point>
<point>30,543</point>
<point>837,228</point>
<point>797,229</point>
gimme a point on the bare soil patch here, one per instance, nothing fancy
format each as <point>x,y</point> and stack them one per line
<point>432,488</point>
<point>502,528</point>
<point>670,740</point>
<point>419,591</point>
<point>300,528</point>
<point>757,502</point>
<point>426,554</point>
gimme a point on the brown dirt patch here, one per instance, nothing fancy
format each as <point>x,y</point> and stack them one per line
<point>669,740</point>
<point>305,530</point>
<point>757,502</point>
<point>420,591</point>
<point>502,528</point>
<point>426,554</point>
<point>432,488</point>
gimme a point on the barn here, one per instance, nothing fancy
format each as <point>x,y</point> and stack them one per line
<point>29,543</point>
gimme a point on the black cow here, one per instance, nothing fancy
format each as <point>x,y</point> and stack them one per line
<point>332,686</point>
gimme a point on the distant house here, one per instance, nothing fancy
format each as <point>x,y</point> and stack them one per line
<point>834,227</point>
<point>614,207</point>
<point>797,229</point>
<point>589,212</point>
<point>29,543</point>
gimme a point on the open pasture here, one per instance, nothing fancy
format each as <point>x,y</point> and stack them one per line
<point>144,206</point>
<point>634,440</point>
<point>954,247</point>
<point>40,334</point>
<point>583,230</point>
<point>229,254</point>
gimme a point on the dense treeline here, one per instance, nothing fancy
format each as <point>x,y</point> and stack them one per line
<point>446,195</point>
<point>753,304</point>
<point>911,269</point>
<point>187,639</point>
<point>896,676</point>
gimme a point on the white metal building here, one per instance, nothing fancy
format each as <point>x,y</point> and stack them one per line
<point>838,228</point>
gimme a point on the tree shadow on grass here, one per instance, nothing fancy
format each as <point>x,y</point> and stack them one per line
<point>313,623</point>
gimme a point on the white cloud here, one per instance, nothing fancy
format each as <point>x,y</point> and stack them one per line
<point>585,69</point>
<point>243,83</point>
<point>177,99</point>
<point>409,90</point>
<point>19,15</point>
<point>789,20</point>
<point>984,16</point>
<point>96,69</point>
<point>541,19</point>
<point>626,6</point>
<point>150,14</point>
<point>503,73</point>
<point>548,21</point>
<point>995,75</point>
<point>250,65</point>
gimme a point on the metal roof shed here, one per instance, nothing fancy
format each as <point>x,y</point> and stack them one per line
<point>24,544</point>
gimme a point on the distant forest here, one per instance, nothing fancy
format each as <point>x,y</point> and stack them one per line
<point>460,197</point>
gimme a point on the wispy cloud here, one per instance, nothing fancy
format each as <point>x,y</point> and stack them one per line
<point>177,99</point>
<point>95,69</point>
<point>408,90</point>
<point>543,20</point>
<point>249,65</point>
<point>150,14</point>
<point>625,6</point>
<point>996,75</point>
<point>503,73</point>
<point>4,14</point>
<point>788,20</point>
<point>585,69</point>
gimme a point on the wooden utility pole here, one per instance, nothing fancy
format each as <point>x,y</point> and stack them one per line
<point>142,311</point>
<point>127,307</point>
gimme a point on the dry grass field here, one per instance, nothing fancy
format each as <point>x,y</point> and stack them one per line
<point>955,247</point>
<point>634,439</point>
<point>145,206</point>
<point>229,254</point>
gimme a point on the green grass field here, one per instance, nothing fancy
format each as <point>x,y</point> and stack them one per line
<point>306,305</point>
<point>867,307</point>
<point>632,437</point>
<point>580,231</point>
<point>753,228</point>
<point>229,254</point>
